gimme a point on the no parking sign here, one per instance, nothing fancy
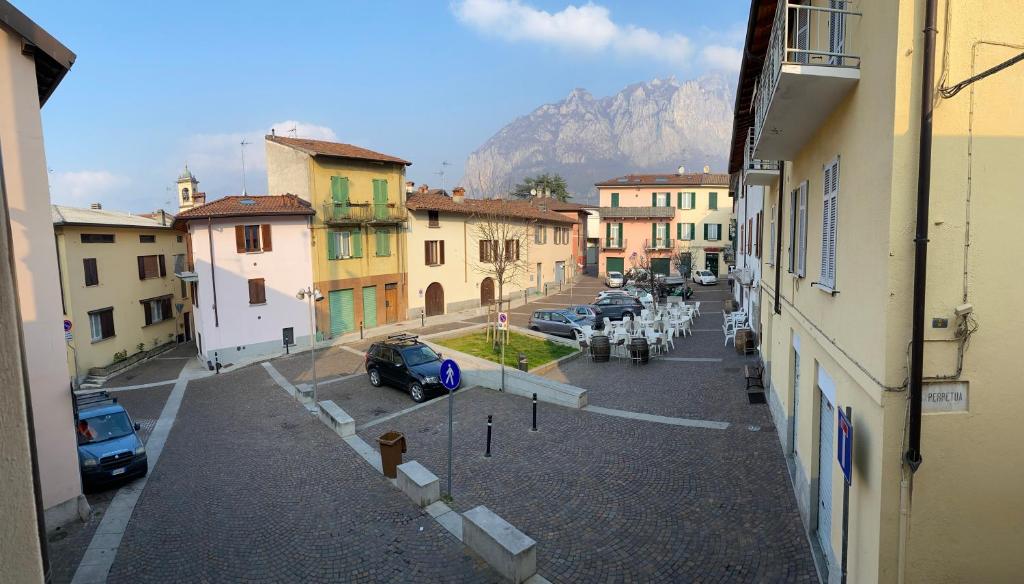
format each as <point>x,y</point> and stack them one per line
<point>503,321</point>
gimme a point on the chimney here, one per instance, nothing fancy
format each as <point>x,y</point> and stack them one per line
<point>458,194</point>
<point>409,186</point>
<point>682,169</point>
<point>96,206</point>
<point>707,169</point>
<point>163,218</point>
<point>424,188</point>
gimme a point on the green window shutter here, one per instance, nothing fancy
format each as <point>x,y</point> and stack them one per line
<point>654,199</point>
<point>369,306</point>
<point>383,242</point>
<point>712,200</point>
<point>607,234</point>
<point>621,241</point>
<point>332,245</point>
<point>693,200</point>
<point>679,200</point>
<point>339,190</point>
<point>679,230</point>
<point>654,234</point>
<point>693,229</point>
<point>356,243</point>
<point>719,233</point>
<point>705,231</point>
<point>615,199</point>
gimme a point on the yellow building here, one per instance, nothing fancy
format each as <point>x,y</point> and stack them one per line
<point>359,250</point>
<point>829,119</point>
<point>449,247</point>
<point>118,286</point>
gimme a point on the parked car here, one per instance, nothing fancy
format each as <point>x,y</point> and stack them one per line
<point>619,307</point>
<point>559,322</point>
<point>109,449</point>
<point>704,277</point>
<point>614,280</point>
<point>403,362</point>
<point>588,311</point>
<point>607,293</point>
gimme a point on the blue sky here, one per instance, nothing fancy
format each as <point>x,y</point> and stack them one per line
<point>158,84</point>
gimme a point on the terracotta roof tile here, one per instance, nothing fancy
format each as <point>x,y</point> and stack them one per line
<point>247,206</point>
<point>322,148</point>
<point>506,207</point>
<point>690,179</point>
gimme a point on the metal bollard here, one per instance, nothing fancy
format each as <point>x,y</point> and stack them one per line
<point>534,428</point>
<point>360,329</point>
<point>522,363</point>
<point>488,453</point>
<point>423,317</point>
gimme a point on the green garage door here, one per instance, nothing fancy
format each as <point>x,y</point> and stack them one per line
<point>660,265</point>
<point>614,265</point>
<point>370,306</point>
<point>342,312</point>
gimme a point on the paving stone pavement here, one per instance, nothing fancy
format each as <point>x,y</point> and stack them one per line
<point>163,367</point>
<point>252,488</point>
<point>363,401</point>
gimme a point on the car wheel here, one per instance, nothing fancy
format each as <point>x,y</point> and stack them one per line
<point>533,328</point>
<point>374,378</point>
<point>416,392</point>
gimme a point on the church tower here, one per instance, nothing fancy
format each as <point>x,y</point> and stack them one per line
<point>188,191</point>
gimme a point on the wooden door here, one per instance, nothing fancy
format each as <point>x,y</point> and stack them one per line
<point>390,302</point>
<point>487,292</point>
<point>435,299</point>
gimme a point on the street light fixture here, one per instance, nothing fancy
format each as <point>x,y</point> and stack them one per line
<point>313,296</point>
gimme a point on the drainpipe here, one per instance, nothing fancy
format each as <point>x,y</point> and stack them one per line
<point>924,168</point>
<point>778,236</point>
<point>213,271</point>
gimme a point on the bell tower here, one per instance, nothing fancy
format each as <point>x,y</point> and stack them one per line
<point>188,191</point>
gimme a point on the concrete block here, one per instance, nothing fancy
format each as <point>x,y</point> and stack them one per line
<point>418,483</point>
<point>304,393</point>
<point>509,551</point>
<point>337,419</point>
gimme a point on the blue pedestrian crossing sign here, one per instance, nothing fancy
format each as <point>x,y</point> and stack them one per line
<point>451,376</point>
<point>844,446</point>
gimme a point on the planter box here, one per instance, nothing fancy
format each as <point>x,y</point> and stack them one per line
<point>118,366</point>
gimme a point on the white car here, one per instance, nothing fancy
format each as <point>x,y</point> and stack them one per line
<point>614,280</point>
<point>704,277</point>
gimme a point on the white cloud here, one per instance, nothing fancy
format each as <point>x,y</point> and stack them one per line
<point>86,186</point>
<point>722,57</point>
<point>586,28</point>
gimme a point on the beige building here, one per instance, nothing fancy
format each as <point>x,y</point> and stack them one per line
<point>857,146</point>
<point>448,251</point>
<point>118,287</point>
<point>39,478</point>
<point>661,215</point>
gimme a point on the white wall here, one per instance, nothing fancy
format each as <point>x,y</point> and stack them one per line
<point>747,207</point>
<point>285,269</point>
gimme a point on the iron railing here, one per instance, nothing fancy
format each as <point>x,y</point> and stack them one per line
<point>804,35</point>
<point>659,243</point>
<point>357,213</point>
<point>756,164</point>
<point>613,243</point>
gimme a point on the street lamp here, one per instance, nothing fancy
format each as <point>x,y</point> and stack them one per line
<point>312,295</point>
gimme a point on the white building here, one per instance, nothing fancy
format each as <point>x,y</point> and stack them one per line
<point>247,257</point>
<point>755,237</point>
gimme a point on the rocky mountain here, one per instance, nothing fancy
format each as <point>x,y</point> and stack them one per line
<point>654,126</point>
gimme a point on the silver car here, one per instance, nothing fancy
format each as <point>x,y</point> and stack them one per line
<point>558,322</point>
<point>614,280</point>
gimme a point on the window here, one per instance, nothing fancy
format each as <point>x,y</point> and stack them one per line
<point>540,234</point>
<point>151,266</point>
<point>92,276</point>
<point>712,200</point>
<point>686,200</point>
<point>343,245</point>
<point>433,252</point>
<point>101,324</point>
<point>147,239</point>
<point>433,219</point>
<point>257,291</point>
<point>613,235</point>
<point>615,199</point>
<point>660,199</point>
<point>801,231</point>
<point>791,250</point>
<point>684,231</point>
<point>757,240</point>
<point>829,224</point>
<point>252,238</point>
<point>712,231</point>
<point>179,238</point>
<point>750,233</point>
<point>771,239</point>
<point>488,250</point>
<point>97,238</point>
<point>562,235</point>
<point>659,235</point>
<point>194,289</point>
<point>184,289</point>
<point>512,249</point>
<point>157,309</point>
<point>383,241</point>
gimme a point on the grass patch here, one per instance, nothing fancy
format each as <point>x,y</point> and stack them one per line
<point>538,351</point>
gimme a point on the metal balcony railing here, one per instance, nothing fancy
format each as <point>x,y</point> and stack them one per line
<point>660,243</point>
<point>613,243</point>
<point>358,213</point>
<point>182,264</point>
<point>755,164</point>
<point>804,35</point>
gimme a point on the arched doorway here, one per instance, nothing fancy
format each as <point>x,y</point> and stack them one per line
<point>435,299</point>
<point>487,292</point>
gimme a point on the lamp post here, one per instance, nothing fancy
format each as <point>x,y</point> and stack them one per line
<point>312,295</point>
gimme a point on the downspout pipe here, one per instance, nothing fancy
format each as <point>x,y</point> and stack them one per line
<point>913,456</point>
<point>213,271</point>
<point>778,236</point>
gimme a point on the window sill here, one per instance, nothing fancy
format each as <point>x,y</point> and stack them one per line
<point>257,304</point>
<point>253,251</point>
<point>157,322</point>
<point>824,288</point>
<point>434,265</point>
<point>97,341</point>
<point>433,226</point>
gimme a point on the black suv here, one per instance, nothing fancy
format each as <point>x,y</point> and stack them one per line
<point>402,361</point>
<point>617,307</point>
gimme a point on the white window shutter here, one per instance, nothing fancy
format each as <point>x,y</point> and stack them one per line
<point>834,224</point>
<point>826,237</point>
<point>801,262</point>
<point>830,224</point>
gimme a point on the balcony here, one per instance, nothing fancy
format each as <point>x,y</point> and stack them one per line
<point>637,212</point>
<point>658,244</point>
<point>184,269</point>
<point>363,213</point>
<point>809,68</point>
<point>613,243</point>
<point>757,171</point>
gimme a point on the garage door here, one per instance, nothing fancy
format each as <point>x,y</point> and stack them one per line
<point>615,265</point>
<point>369,306</point>
<point>660,265</point>
<point>342,312</point>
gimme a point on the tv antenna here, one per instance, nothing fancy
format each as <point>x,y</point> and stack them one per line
<point>441,172</point>
<point>294,132</point>
<point>243,144</point>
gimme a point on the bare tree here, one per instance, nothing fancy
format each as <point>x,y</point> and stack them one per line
<point>503,245</point>
<point>641,274</point>
<point>682,259</point>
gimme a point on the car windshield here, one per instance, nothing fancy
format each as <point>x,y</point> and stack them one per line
<point>614,275</point>
<point>104,427</point>
<point>419,355</point>
<point>572,316</point>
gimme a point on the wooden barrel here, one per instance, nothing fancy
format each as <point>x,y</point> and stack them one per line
<point>600,348</point>
<point>639,351</point>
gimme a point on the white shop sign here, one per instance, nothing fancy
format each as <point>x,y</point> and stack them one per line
<point>946,396</point>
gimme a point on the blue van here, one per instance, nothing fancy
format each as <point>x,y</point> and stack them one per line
<point>109,449</point>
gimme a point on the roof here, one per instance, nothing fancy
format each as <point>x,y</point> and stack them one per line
<point>247,206</point>
<point>556,205</point>
<point>63,215</point>
<point>53,59</point>
<point>690,179</point>
<point>637,212</point>
<point>759,32</point>
<point>335,149</point>
<point>503,207</point>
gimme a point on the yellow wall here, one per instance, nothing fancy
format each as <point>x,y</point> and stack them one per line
<point>119,287</point>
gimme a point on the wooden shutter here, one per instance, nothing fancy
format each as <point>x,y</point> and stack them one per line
<point>332,244</point>
<point>654,235</point>
<point>712,200</point>
<point>679,230</point>
<point>92,277</point>
<point>339,190</point>
<point>163,266</point>
<point>608,234</point>
<point>482,246</point>
<point>426,253</point>
<point>257,291</point>
<point>148,310</point>
<point>679,200</point>
<point>693,200</point>
<point>265,233</point>
<point>654,199</point>
<point>142,267</point>
<point>615,199</point>
<point>107,323</point>
<point>441,251</point>
<point>705,232</point>
<point>356,243</point>
<point>240,238</point>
